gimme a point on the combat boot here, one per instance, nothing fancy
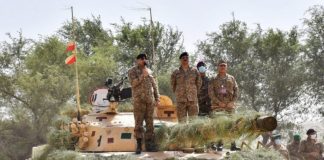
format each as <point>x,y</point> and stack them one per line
<point>139,146</point>
<point>234,148</point>
<point>150,146</point>
<point>219,146</point>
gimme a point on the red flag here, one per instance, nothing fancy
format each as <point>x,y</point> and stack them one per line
<point>70,47</point>
<point>71,59</point>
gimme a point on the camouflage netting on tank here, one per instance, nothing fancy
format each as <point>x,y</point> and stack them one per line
<point>60,136</point>
<point>72,112</point>
<point>260,154</point>
<point>53,154</point>
<point>125,107</point>
<point>202,131</point>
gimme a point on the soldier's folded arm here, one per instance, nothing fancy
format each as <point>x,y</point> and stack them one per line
<point>198,81</point>
<point>302,150</point>
<point>211,93</point>
<point>134,80</point>
<point>173,82</point>
<point>235,90</point>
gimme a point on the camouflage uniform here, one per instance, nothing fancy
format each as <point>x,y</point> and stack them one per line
<point>145,94</point>
<point>293,149</point>
<point>307,147</point>
<point>185,85</point>
<point>278,147</point>
<point>282,150</point>
<point>223,90</point>
<point>203,98</point>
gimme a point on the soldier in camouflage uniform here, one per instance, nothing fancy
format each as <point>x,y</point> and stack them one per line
<point>185,83</point>
<point>293,148</point>
<point>310,149</point>
<point>223,91</point>
<point>145,97</point>
<point>203,98</point>
<point>276,145</point>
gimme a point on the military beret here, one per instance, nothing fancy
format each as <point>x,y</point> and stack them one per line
<point>183,54</point>
<point>141,56</point>
<point>310,131</point>
<point>221,62</point>
<point>200,63</point>
<point>297,137</point>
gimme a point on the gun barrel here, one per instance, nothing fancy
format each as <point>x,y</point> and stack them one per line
<point>266,123</point>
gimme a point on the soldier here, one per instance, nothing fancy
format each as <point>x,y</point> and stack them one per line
<point>223,91</point>
<point>293,148</point>
<point>145,96</point>
<point>185,83</point>
<point>276,145</point>
<point>203,98</point>
<point>310,149</point>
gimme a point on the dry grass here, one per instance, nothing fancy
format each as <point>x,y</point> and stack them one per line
<point>260,154</point>
<point>73,155</point>
<point>125,107</point>
<point>201,131</point>
<point>72,112</point>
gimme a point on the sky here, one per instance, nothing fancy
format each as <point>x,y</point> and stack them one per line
<point>195,18</point>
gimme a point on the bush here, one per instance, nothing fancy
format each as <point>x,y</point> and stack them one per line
<point>125,107</point>
<point>165,86</point>
<point>61,139</point>
<point>72,155</point>
<point>201,131</point>
<point>260,154</point>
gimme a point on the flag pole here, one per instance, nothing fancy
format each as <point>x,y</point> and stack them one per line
<point>152,40</point>
<point>76,67</point>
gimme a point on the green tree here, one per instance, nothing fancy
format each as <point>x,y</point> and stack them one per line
<point>132,40</point>
<point>284,74</point>
<point>241,49</point>
<point>88,33</point>
<point>267,65</point>
<point>36,90</point>
<point>314,50</point>
<point>15,127</point>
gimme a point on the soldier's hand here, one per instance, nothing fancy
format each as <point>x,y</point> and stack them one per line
<point>145,72</point>
<point>221,104</point>
<point>157,103</point>
<point>315,154</point>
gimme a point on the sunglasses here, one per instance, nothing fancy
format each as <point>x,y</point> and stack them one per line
<point>184,57</point>
<point>222,65</point>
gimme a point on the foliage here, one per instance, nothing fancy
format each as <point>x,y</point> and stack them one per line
<point>133,40</point>
<point>201,131</point>
<point>88,32</point>
<point>125,107</point>
<point>267,65</point>
<point>260,154</point>
<point>275,71</point>
<point>314,51</point>
<point>164,83</point>
<point>73,155</point>
<point>60,139</point>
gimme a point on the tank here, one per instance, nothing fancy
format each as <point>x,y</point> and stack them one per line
<point>105,129</point>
